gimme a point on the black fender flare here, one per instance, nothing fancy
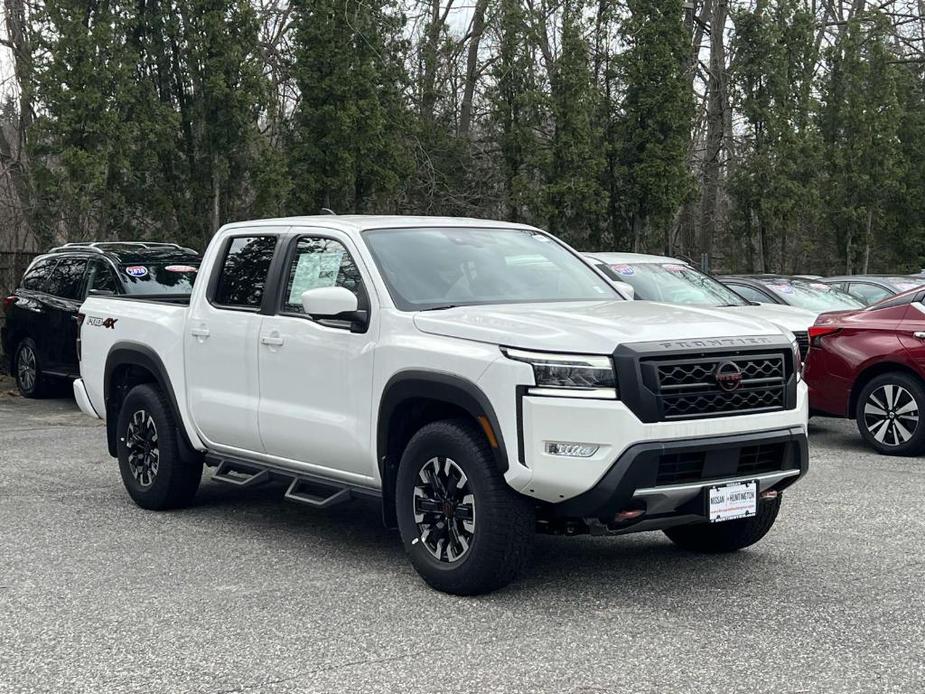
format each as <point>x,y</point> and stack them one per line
<point>136,354</point>
<point>431,385</point>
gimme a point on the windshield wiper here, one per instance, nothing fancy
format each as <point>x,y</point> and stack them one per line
<point>442,307</point>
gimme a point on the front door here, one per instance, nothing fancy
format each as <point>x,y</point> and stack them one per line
<point>65,295</point>
<point>221,343</point>
<point>316,375</point>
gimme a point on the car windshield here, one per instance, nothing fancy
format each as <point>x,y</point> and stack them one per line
<point>431,268</point>
<point>161,277</point>
<point>673,283</point>
<point>813,296</point>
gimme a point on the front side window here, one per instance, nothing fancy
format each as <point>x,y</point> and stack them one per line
<point>67,278</point>
<point>36,278</point>
<point>431,268</point>
<point>868,293</point>
<point>320,262</point>
<point>101,278</point>
<point>673,283</point>
<point>244,271</point>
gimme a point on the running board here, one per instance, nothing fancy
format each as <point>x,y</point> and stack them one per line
<point>317,494</point>
<point>240,474</point>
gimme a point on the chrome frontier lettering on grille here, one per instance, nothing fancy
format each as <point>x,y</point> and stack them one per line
<point>718,342</point>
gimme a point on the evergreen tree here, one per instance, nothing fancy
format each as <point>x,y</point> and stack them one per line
<point>651,136</point>
<point>348,150</point>
<point>574,194</point>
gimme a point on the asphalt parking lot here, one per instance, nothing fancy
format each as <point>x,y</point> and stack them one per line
<point>247,593</point>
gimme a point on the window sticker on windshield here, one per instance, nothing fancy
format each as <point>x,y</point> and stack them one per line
<point>674,267</point>
<point>314,270</point>
<point>136,271</point>
<point>821,287</point>
<point>181,268</point>
<point>623,269</point>
<point>782,288</point>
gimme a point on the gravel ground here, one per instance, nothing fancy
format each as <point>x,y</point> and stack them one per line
<point>247,593</point>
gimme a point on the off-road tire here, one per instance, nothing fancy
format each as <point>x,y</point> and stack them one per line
<point>504,523</point>
<point>176,480</point>
<point>39,384</point>
<point>890,445</point>
<point>729,536</point>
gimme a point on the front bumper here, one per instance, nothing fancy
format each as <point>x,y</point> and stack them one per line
<point>632,482</point>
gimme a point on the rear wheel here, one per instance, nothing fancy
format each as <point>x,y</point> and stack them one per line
<point>888,414</point>
<point>153,472</point>
<point>26,367</point>
<point>464,529</point>
<point>729,536</point>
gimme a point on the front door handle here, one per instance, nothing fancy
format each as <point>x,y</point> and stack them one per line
<point>272,340</point>
<point>919,335</point>
<point>201,333</point>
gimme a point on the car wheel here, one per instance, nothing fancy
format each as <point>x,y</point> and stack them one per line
<point>26,367</point>
<point>888,414</point>
<point>466,531</point>
<point>728,536</point>
<point>153,471</point>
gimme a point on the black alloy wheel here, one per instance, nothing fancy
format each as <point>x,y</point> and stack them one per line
<point>143,452</point>
<point>444,509</point>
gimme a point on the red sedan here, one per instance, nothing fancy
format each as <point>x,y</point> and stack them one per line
<point>870,364</point>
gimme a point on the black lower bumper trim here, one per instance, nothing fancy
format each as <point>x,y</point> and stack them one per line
<point>637,468</point>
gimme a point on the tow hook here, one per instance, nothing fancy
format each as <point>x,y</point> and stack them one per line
<point>768,495</point>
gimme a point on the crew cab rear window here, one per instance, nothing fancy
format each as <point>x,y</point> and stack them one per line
<point>37,276</point>
<point>244,271</point>
<point>172,277</point>
<point>67,278</point>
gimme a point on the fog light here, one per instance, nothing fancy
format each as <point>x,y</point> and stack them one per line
<point>571,450</point>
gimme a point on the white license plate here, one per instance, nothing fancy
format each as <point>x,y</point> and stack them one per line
<point>731,501</point>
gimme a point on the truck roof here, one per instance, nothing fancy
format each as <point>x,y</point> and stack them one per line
<point>359,222</point>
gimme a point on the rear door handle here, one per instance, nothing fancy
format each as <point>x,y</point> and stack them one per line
<point>200,332</point>
<point>919,335</point>
<point>272,340</point>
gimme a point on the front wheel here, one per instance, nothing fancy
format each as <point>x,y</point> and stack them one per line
<point>464,529</point>
<point>728,536</point>
<point>153,472</point>
<point>888,412</point>
<point>30,381</point>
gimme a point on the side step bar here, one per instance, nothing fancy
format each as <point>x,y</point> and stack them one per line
<point>313,490</point>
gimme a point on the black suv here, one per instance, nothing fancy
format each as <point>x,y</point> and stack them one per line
<point>39,336</point>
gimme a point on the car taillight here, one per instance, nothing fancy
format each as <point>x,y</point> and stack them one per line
<point>819,331</point>
<point>8,303</point>
<point>80,321</point>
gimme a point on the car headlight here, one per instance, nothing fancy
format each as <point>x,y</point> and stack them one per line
<point>568,375</point>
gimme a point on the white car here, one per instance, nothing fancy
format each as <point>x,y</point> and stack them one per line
<point>672,281</point>
<point>478,378</point>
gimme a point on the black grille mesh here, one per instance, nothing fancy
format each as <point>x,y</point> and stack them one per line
<point>688,388</point>
<point>688,466</point>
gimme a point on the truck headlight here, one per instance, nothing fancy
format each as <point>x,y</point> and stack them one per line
<point>568,375</point>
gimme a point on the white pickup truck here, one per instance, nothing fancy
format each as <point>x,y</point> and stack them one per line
<point>477,377</point>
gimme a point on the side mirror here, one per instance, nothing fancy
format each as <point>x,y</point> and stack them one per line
<point>625,289</point>
<point>329,302</point>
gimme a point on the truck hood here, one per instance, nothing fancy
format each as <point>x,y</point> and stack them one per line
<point>590,327</point>
<point>787,317</point>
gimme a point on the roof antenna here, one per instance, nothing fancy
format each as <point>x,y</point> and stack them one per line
<point>328,210</point>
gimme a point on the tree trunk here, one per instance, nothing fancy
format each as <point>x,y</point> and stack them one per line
<point>870,223</point>
<point>638,227</point>
<point>472,65</point>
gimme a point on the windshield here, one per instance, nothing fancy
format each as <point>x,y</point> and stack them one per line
<point>435,268</point>
<point>814,296</point>
<point>673,283</point>
<point>160,277</point>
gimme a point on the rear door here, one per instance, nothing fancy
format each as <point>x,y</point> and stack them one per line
<point>220,343</point>
<point>316,375</point>
<point>64,295</point>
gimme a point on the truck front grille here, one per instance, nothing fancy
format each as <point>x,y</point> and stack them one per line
<point>688,388</point>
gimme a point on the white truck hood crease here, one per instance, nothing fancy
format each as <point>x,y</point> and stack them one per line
<point>587,327</point>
